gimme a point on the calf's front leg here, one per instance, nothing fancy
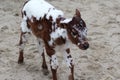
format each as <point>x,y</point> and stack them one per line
<point>69,62</point>
<point>53,62</point>
<point>54,66</point>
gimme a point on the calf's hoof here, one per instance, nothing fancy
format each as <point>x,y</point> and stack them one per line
<point>70,77</point>
<point>20,61</point>
<point>45,72</point>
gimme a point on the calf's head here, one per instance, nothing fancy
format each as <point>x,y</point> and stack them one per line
<point>77,31</point>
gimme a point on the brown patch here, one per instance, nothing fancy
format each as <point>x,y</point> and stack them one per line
<point>69,56</point>
<point>46,28</point>
<point>44,33</point>
<point>68,50</point>
<point>71,37</point>
<point>49,49</point>
<point>50,18</point>
<point>60,41</point>
<point>58,20</point>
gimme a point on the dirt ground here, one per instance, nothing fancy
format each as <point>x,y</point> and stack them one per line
<point>100,62</point>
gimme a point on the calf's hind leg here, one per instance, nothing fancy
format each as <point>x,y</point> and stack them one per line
<point>44,65</point>
<point>25,33</point>
<point>22,42</point>
<point>41,51</point>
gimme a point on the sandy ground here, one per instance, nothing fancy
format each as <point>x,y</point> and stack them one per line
<point>100,62</point>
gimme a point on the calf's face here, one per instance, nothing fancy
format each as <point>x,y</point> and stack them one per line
<point>77,31</point>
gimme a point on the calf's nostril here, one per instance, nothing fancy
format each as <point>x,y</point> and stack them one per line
<point>86,45</point>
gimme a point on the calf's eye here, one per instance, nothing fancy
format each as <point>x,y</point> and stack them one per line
<point>74,33</point>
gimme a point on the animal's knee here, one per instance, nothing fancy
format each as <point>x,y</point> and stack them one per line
<point>54,62</point>
<point>68,60</point>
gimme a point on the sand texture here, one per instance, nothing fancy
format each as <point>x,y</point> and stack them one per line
<point>100,62</point>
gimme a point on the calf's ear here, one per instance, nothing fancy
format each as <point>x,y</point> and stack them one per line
<point>77,13</point>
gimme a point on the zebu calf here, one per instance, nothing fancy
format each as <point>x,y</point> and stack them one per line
<point>53,32</point>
